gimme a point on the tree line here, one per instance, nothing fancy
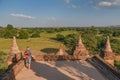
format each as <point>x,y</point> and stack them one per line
<point>93,37</point>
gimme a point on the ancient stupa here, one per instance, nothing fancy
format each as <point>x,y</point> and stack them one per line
<point>107,54</point>
<point>61,51</point>
<point>80,49</point>
<point>14,53</point>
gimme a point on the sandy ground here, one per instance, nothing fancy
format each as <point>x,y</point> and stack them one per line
<point>60,70</point>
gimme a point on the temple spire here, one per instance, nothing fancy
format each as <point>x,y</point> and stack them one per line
<point>80,49</point>
<point>107,45</point>
<point>107,51</point>
<point>61,51</point>
<point>80,43</point>
<point>107,54</point>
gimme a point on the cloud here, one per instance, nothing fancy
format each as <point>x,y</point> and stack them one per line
<point>105,3</point>
<point>22,16</point>
<point>109,3</point>
<point>67,1</point>
<point>74,6</point>
<point>51,18</point>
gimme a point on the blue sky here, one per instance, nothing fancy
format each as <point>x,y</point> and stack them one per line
<point>45,13</point>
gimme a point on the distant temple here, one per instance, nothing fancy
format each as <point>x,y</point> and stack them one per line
<point>14,54</point>
<point>80,49</point>
<point>107,53</point>
<point>61,51</point>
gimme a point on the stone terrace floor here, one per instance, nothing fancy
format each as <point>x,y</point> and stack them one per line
<point>60,70</point>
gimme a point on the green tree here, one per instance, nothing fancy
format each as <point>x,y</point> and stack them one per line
<point>3,62</point>
<point>2,31</point>
<point>116,34</point>
<point>60,37</point>
<point>115,43</point>
<point>35,35</point>
<point>10,31</point>
<point>71,40</point>
<point>117,64</point>
<point>23,34</point>
<point>9,27</point>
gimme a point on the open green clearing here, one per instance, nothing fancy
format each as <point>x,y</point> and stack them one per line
<point>37,44</point>
<point>42,45</point>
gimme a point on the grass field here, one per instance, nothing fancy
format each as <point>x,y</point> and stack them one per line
<point>41,45</point>
<point>44,44</point>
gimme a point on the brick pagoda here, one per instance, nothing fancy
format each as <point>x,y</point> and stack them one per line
<point>61,51</point>
<point>80,50</point>
<point>107,53</point>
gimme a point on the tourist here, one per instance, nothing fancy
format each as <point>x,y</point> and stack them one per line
<point>28,57</point>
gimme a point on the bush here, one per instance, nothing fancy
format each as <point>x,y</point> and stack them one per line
<point>10,32</point>
<point>35,35</point>
<point>117,64</point>
<point>50,31</point>
<point>23,34</point>
<point>3,62</point>
<point>115,43</point>
<point>60,37</point>
<point>116,34</point>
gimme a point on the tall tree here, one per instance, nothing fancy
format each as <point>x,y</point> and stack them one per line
<point>23,34</point>
<point>10,31</point>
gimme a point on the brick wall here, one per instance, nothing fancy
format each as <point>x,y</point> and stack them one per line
<point>111,68</point>
<point>11,73</point>
<point>117,57</point>
<point>58,57</point>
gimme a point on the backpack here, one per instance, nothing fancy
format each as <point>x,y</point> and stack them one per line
<point>27,54</point>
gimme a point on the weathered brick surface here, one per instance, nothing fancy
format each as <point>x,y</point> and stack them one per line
<point>59,57</point>
<point>117,57</point>
<point>14,54</point>
<point>107,53</point>
<point>61,51</point>
<point>80,50</point>
<point>11,73</point>
<point>111,68</point>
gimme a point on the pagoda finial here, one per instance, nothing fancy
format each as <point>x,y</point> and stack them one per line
<point>80,41</point>
<point>61,50</point>
<point>107,52</point>
<point>107,47</point>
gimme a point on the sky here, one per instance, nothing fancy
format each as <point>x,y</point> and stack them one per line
<point>61,13</point>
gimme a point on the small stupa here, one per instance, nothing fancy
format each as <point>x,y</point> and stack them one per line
<point>80,49</point>
<point>107,54</point>
<point>61,51</point>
